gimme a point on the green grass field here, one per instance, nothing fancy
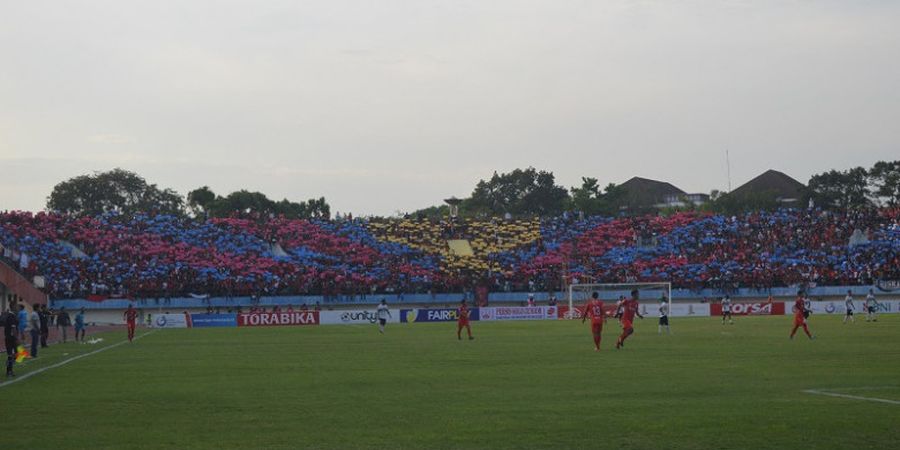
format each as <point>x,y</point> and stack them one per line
<point>518,385</point>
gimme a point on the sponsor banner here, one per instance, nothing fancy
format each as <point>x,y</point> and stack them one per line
<point>435,315</point>
<point>518,313</point>
<point>649,309</point>
<point>274,319</point>
<point>182,320</point>
<point>838,307</point>
<point>354,317</point>
<point>888,285</point>
<point>213,320</point>
<point>750,309</point>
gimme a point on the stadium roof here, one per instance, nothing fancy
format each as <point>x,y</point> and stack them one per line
<point>785,187</point>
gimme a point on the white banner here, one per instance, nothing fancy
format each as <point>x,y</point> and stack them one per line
<point>170,321</point>
<point>351,317</point>
<point>518,313</point>
<point>837,307</point>
<point>677,309</point>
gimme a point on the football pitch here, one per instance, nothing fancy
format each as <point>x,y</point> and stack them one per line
<point>517,385</point>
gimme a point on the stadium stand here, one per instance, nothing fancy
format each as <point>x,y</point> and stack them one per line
<point>153,256</point>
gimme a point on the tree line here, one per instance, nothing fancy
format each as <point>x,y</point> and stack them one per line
<point>521,193</point>
<point>128,193</point>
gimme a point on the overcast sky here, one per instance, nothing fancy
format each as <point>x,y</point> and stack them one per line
<point>387,105</point>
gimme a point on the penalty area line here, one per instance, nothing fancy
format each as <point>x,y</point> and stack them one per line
<point>852,397</point>
<point>74,358</point>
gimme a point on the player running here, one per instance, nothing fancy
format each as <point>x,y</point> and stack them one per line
<point>594,310</point>
<point>800,315</point>
<point>726,310</point>
<point>462,321</point>
<point>663,315</point>
<point>871,306</point>
<point>382,314</point>
<point>629,310</point>
<point>848,305</point>
<point>131,319</point>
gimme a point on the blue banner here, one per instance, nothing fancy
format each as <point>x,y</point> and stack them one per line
<point>434,315</point>
<point>213,320</point>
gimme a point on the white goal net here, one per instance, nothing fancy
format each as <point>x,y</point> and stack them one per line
<point>649,295</point>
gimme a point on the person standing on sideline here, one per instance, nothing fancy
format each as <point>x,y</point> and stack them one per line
<point>63,322</point>
<point>870,306</point>
<point>382,314</point>
<point>663,315</point>
<point>44,316</point>
<point>462,321</point>
<point>131,320</point>
<point>10,323</point>
<point>34,327</point>
<point>79,326</point>
<point>726,310</point>
<point>848,305</point>
<point>23,322</point>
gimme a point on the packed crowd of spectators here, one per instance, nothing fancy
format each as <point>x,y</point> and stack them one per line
<point>147,256</point>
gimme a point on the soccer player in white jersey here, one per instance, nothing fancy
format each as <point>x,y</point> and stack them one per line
<point>870,307</point>
<point>663,315</point>
<point>382,314</point>
<point>848,305</point>
<point>726,310</point>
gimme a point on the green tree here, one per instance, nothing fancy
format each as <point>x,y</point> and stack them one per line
<point>199,200</point>
<point>526,192</point>
<point>835,189</point>
<point>884,177</point>
<point>116,190</point>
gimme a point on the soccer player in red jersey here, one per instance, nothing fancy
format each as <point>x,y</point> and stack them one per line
<point>629,310</point>
<point>800,314</point>
<point>462,321</point>
<point>594,310</point>
<point>131,319</point>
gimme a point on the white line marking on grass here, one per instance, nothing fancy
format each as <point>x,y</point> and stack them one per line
<point>64,362</point>
<point>852,397</point>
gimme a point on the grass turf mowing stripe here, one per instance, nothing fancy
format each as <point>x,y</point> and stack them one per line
<point>66,361</point>
<point>853,397</point>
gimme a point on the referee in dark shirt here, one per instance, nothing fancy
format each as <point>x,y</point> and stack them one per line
<point>10,332</point>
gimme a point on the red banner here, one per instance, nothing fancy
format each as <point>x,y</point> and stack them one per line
<point>275,319</point>
<point>750,309</point>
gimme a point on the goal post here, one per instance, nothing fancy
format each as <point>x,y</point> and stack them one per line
<point>578,294</point>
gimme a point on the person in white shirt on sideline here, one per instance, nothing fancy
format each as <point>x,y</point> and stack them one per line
<point>382,314</point>
<point>848,305</point>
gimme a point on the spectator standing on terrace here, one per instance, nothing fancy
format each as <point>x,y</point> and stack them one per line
<point>79,326</point>
<point>10,337</point>
<point>44,316</point>
<point>34,327</point>
<point>63,322</point>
